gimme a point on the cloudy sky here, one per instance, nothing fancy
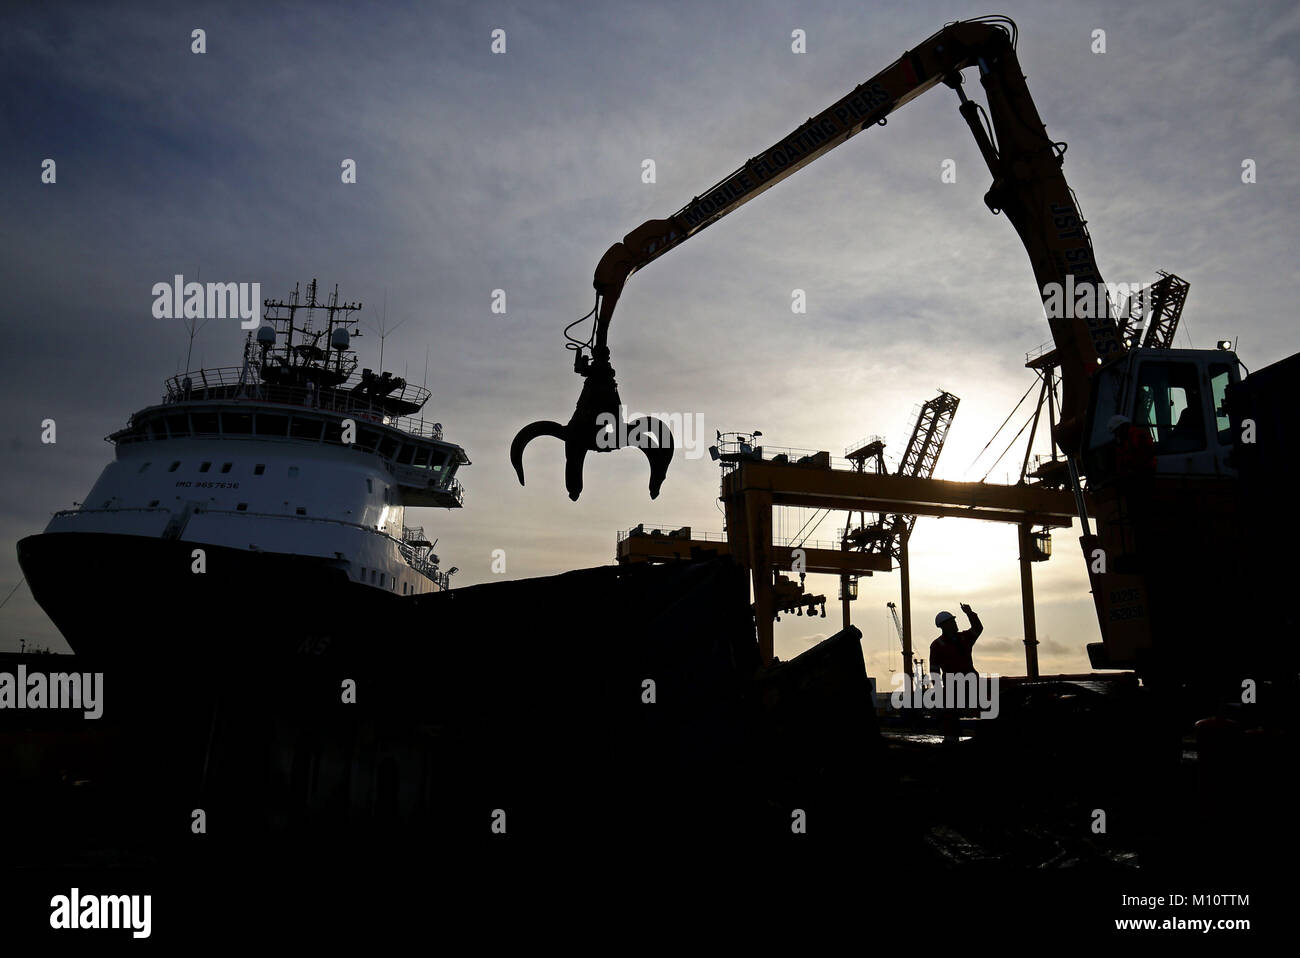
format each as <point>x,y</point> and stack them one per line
<point>479,171</point>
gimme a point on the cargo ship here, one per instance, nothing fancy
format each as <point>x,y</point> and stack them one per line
<point>263,500</point>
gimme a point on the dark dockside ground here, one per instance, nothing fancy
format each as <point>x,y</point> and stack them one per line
<point>331,815</point>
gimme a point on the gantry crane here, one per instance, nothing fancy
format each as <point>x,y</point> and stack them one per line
<point>887,533</point>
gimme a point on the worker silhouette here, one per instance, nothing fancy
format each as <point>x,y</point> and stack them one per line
<point>1135,451</point>
<point>950,657</point>
<point>1135,475</point>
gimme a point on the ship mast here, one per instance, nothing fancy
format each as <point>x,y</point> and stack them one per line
<point>306,360</point>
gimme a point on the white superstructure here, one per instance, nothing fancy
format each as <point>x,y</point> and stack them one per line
<point>291,453</point>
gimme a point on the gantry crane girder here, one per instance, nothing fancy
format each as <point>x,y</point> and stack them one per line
<point>753,489</point>
<point>840,489</point>
<point>637,546</point>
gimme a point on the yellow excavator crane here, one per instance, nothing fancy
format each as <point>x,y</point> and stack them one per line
<point>1167,544</point>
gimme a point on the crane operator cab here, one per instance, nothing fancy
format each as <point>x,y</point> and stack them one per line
<point>1157,512</point>
<point>1178,397</point>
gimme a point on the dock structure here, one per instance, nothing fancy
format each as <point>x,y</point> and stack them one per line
<point>754,486</point>
<point>752,490</point>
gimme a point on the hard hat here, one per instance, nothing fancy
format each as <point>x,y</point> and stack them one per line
<point>943,617</point>
<point>1116,422</point>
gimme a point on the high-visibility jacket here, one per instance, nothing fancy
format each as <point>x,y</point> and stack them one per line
<point>1135,453</point>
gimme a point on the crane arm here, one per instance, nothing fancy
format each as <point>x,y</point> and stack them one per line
<point>1028,186</point>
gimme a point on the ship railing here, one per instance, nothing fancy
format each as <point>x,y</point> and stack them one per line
<point>418,559</point>
<point>453,488</point>
<point>202,380</point>
<point>425,563</point>
<point>416,427</point>
<point>236,383</point>
<point>249,375</point>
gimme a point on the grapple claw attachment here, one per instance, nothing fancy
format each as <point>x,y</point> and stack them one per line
<point>527,435</point>
<point>597,425</point>
<point>653,437</point>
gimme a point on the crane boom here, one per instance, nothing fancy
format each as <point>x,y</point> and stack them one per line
<point>1028,186</point>
<point>898,623</point>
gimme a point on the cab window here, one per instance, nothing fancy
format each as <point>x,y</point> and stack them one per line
<point>1220,376</point>
<point>1168,405</point>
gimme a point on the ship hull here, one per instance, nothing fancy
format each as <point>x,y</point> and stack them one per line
<point>125,596</point>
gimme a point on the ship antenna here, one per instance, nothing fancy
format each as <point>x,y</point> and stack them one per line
<point>384,329</point>
<point>192,324</point>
